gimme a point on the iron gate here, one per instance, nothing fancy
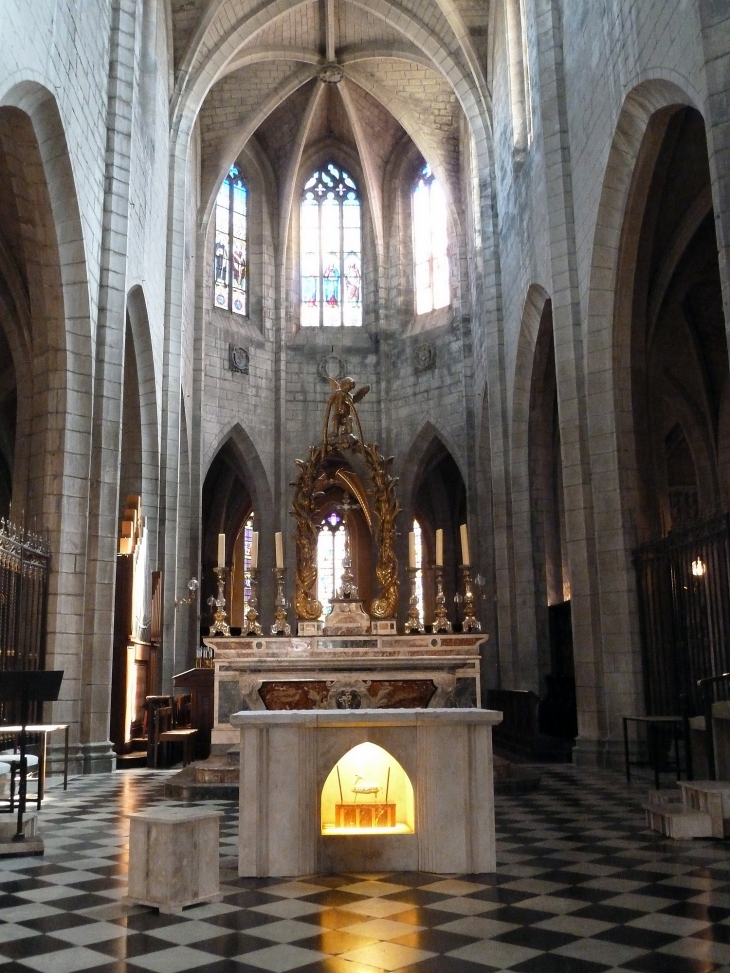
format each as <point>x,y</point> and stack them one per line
<point>24,568</point>
<point>684,609</point>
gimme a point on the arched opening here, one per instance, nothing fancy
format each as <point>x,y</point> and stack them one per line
<point>439,503</point>
<point>679,359</point>
<point>135,659</point>
<point>227,507</point>
<point>556,672</point>
<point>367,792</point>
<point>680,386</point>
<point>344,518</point>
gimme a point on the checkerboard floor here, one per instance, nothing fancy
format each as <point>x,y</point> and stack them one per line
<point>581,887</point>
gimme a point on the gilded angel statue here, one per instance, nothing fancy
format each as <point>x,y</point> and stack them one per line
<point>341,413</point>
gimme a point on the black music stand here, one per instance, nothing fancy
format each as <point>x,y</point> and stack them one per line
<point>27,686</point>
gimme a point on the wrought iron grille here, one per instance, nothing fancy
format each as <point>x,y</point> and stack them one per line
<point>684,609</point>
<point>24,568</point>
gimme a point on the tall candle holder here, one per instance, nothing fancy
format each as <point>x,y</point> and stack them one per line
<point>469,622</point>
<point>220,626</point>
<point>280,626</point>
<point>413,622</point>
<point>441,621</point>
<point>253,626</point>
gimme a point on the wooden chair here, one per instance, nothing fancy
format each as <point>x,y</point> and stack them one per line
<point>165,732</point>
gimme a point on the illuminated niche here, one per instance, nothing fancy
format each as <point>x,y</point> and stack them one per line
<point>367,792</point>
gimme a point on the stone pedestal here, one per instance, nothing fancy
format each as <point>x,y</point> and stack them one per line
<point>287,756</point>
<point>173,857</point>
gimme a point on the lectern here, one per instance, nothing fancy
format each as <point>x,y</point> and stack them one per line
<point>26,686</point>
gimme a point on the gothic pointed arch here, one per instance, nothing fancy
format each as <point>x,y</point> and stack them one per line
<point>235,485</point>
<point>435,495</point>
<point>42,225</point>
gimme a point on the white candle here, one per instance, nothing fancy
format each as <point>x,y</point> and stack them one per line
<point>412,549</point>
<point>464,546</point>
<point>279,549</point>
<point>221,550</point>
<point>255,550</point>
<point>439,548</point>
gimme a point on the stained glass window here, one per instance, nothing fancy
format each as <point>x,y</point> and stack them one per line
<point>247,541</point>
<point>430,243</point>
<point>419,569</point>
<point>230,250</point>
<point>330,554</point>
<point>331,251</point>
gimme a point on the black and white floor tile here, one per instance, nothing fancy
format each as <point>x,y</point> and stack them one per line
<point>581,887</point>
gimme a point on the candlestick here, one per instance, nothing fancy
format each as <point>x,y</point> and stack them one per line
<point>439,548</point>
<point>441,622</point>
<point>253,627</point>
<point>413,622</point>
<point>279,550</point>
<point>221,550</point>
<point>280,626</point>
<point>469,623</point>
<point>220,626</point>
<point>465,560</point>
<point>412,550</point>
<point>255,550</point>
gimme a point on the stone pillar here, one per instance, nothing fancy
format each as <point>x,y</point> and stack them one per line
<point>96,754</point>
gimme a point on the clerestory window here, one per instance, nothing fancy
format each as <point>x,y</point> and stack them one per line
<point>430,244</point>
<point>230,250</point>
<point>331,250</point>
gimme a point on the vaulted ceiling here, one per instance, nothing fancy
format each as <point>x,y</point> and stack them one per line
<point>263,71</point>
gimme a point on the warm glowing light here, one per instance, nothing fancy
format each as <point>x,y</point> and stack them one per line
<point>698,568</point>
<point>367,792</point>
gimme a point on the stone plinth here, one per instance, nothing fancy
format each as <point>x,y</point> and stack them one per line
<point>173,857</point>
<point>287,756</point>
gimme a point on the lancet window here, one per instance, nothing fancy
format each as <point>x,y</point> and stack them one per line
<point>330,557</point>
<point>430,243</point>
<point>418,536</point>
<point>230,249</point>
<point>331,250</point>
<point>247,541</point>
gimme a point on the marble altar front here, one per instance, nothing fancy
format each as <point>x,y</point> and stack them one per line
<point>434,776</point>
<point>320,672</point>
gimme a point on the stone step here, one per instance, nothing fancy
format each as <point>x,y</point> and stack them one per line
<point>676,821</point>
<point>667,796</point>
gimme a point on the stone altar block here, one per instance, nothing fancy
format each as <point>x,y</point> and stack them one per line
<point>173,857</point>
<point>438,759</point>
<point>337,672</point>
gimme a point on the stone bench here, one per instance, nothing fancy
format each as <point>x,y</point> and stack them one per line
<point>173,857</point>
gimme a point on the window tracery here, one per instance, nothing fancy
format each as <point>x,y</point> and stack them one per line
<point>230,249</point>
<point>430,243</point>
<point>330,556</point>
<point>331,250</point>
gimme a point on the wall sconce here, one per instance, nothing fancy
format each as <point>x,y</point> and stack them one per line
<point>698,568</point>
<point>192,588</point>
